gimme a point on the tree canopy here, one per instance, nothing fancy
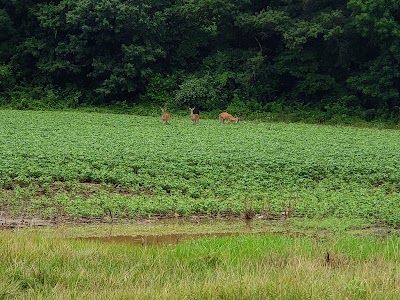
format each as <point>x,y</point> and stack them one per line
<point>208,53</point>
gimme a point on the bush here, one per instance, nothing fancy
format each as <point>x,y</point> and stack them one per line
<point>193,92</point>
<point>274,107</point>
<point>203,92</point>
<point>42,98</point>
<point>243,107</point>
<point>370,114</point>
<point>160,89</point>
<point>6,79</point>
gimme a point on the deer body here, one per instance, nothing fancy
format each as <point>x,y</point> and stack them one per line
<point>225,116</point>
<point>195,117</point>
<point>165,116</point>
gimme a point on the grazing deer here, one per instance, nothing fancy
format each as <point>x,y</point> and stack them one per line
<point>195,117</point>
<point>165,116</point>
<point>225,116</point>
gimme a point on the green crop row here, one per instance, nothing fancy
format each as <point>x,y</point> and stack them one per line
<point>82,164</point>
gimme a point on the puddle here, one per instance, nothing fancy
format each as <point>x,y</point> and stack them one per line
<point>175,238</point>
<point>148,240</point>
<point>167,239</point>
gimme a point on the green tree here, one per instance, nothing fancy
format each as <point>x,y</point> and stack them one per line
<point>338,56</point>
<point>378,78</point>
<point>110,47</point>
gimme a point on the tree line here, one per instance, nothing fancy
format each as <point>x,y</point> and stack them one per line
<point>336,56</point>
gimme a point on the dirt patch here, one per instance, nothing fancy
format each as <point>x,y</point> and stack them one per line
<point>8,223</point>
<point>20,222</point>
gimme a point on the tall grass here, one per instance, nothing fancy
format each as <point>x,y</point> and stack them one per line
<point>37,264</point>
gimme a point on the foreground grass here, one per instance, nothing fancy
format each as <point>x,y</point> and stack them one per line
<point>74,164</point>
<point>49,264</point>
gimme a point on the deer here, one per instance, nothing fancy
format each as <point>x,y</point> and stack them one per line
<point>165,116</point>
<point>225,116</point>
<point>195,117</point>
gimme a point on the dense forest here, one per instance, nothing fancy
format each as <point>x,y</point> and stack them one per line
<point>334,56</point>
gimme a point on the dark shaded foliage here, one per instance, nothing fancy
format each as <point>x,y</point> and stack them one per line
<point>320,54</point>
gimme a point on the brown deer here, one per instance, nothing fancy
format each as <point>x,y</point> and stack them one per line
<point>195,117</point>
<point>165,116</point>
<point>225,116</point>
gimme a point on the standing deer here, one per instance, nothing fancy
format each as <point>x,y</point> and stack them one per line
<point>225,116</point>
<point>165,116</point>
<point>195,117</point>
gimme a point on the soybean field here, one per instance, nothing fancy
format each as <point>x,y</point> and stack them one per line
<point>87,165</point>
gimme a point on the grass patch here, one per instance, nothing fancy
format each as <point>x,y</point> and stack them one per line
<point>48,264</point>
